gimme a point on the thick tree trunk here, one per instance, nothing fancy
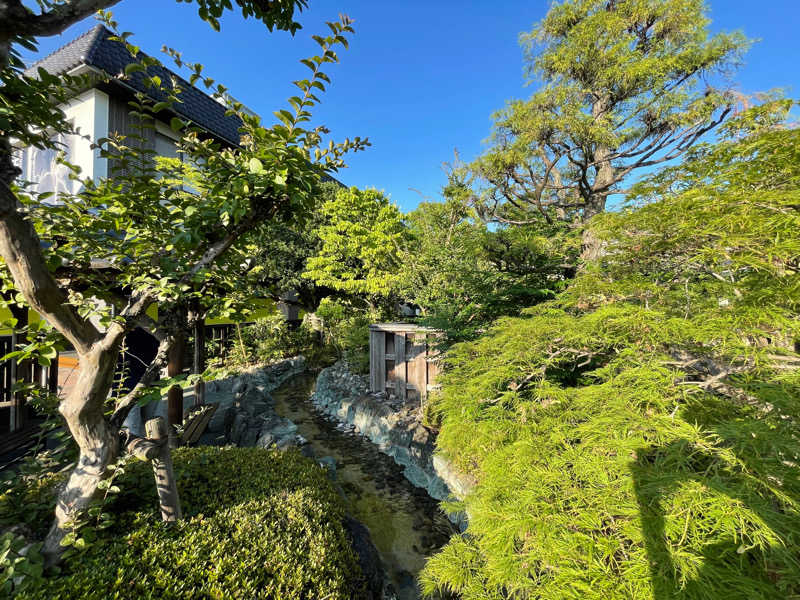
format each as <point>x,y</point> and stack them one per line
<point>98,443</point>
<point>595,201</point>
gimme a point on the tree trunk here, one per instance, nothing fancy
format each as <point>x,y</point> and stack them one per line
<point>595,202</point>
<point>98,444</point>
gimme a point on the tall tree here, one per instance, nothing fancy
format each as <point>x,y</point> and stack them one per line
<point>174,235</point>
<point>624,87</point>
<point>463,274</point>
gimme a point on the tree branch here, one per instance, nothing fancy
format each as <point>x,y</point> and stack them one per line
<point>21,249</point>
<point>17,20</point>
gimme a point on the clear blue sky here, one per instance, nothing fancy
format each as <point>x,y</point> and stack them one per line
<point>421,78</point>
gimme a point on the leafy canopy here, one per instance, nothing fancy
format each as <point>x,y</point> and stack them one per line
<point>361,239</point>
<point>464,274</point>
<point>624,85</point>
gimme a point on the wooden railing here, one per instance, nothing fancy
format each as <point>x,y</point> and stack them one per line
<point>14,411</point>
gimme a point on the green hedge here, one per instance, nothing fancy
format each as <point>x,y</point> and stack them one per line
<point>258,524</point>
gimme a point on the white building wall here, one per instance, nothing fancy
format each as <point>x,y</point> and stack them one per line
<point>88,113</point>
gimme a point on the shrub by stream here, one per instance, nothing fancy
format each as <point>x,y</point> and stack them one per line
<point>258,524</point>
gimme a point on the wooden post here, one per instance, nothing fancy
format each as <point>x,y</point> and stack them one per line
<point>175,368</point>
<point>167,489</point>
<point>377,360</point>
<point>175,393</point>
<point>400,373</point>
<point>20,372</point>
<point>52,376</point>
<point>199,362</point>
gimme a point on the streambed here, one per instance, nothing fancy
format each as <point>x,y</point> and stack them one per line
<point>404,522</point>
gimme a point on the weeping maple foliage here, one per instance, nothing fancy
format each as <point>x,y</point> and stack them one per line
<point>637,437</point>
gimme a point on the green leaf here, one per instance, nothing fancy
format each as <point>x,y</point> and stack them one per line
<point>255,166</point>
<point>134,67</point>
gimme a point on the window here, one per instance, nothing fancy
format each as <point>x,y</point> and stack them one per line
<point>168,147</point>
<point>45,172</point>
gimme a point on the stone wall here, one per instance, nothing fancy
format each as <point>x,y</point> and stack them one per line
<point>245,414</point>
<point>394,426</point>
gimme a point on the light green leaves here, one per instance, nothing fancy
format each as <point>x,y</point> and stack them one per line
<point>255,166</point>
<point>361,244</point>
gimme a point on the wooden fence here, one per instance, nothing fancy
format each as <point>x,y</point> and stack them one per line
<point>402,360</point>
<point>15,415</point>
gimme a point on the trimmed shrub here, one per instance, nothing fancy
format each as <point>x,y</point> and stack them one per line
<point>258,524</point>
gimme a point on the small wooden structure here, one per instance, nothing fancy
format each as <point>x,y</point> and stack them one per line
<point>402,360</point>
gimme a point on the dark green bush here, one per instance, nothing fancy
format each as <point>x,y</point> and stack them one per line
<point>269,339</point>
<point>258,524</point>
<point>347,329</point>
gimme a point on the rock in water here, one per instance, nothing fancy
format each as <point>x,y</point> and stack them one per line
<point>368,558</point>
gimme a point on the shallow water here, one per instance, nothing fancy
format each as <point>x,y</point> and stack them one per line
<point>405,524</point>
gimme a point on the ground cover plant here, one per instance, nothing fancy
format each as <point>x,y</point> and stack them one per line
<point>259,524</point>
<point>637,437</point>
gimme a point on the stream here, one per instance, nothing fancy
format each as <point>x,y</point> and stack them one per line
<point>405,524</point>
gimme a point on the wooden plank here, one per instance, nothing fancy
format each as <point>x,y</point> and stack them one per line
<point>22,371</point>
<point>400,372</point>
<point>417,368</point>
<point>375,338</point>
<point>52,375</point>
<point>401,327</point>
<point>433,369</point>
<point>196,420</point>
<point>381,362</point>
<point>199,354</point>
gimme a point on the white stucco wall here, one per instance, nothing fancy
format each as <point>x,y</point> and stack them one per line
<point>89,114</point>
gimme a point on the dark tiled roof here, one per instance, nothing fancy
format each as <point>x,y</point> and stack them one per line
<point>94,48</point>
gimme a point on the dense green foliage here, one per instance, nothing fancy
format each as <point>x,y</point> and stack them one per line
<point>259,524</point>
<point>361,236</point>
<point>279,253</point>
<point>637,437</point>
<point>463,274</point>
<point>269,339</point>
<point>458,271</point>
<point>346,329</point>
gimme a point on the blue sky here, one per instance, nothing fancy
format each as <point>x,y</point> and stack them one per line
<point>421,78</point>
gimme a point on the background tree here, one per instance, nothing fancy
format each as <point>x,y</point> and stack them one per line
<point>624,87</point>
<point>161,239</point>
<point>362,237</point>
<point>463,274</point>
<point>277,256</point>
